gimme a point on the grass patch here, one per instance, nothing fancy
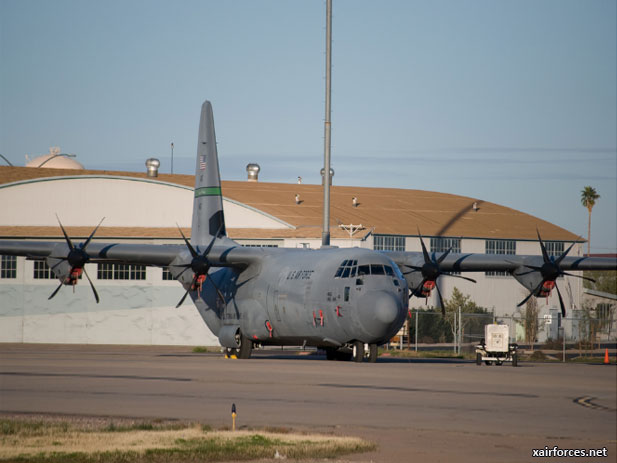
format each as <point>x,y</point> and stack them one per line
<point>206,350</point>
<point>55,442</point>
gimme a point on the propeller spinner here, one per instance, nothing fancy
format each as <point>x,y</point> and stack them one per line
<point>431,271</point>
<point>550,271</point>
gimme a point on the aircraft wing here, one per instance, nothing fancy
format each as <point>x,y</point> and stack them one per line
<point>160,255</point>
<point>465,262</point>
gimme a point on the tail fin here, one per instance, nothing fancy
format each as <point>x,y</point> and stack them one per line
<point>208,217</point>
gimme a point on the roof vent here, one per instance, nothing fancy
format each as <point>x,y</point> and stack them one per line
<point>252,170</point>
<point>322,171</point>
<point>152,167</point>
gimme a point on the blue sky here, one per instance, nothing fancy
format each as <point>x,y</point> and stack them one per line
<point>510,102</point>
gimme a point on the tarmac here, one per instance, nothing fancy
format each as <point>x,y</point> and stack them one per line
<point>424,410</point>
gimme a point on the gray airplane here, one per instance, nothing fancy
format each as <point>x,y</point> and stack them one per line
<point>346,301</point>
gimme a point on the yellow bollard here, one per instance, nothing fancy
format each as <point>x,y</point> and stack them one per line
<point>233,417</point>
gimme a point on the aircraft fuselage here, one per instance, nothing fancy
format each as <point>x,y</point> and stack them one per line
<point>327,297</point>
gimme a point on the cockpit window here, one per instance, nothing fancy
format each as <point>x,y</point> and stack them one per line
<point>377,269</point>
<point>364,270</point>
<point>347,269</point>
<point>389,270</point>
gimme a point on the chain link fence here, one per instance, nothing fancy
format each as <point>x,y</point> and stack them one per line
<point>461,332</point>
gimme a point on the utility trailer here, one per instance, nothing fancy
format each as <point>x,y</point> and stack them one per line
<point>496,347</point>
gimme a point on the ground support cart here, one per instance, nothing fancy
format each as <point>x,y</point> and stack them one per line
<point>495,347</point>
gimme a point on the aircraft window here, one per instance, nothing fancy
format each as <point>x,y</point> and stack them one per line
<point>345,272</point>
<point>346,293</point>
<point>345,263</point>
<point>338,272</point>
<point>377,269</point>
<point>353,272</point>
<point>355,262</point>
<point>389,270</point>
<point>359,281</point>
<point>396,283</point>
<point>364,270</point>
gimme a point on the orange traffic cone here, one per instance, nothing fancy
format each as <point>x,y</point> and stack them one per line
<point>606,360</point>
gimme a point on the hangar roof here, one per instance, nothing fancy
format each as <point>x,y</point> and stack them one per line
<point>379,210</point>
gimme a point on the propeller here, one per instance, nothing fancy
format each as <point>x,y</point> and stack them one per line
<point>200,266</point>
<point>550,271</point>
<point>431,271</point>
<point>77,259</point>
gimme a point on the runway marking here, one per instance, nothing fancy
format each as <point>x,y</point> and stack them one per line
<point>438,391</point>
<point>82,375</point>
<point>587,401</point>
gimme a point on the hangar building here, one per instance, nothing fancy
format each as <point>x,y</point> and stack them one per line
<point>138,303</point>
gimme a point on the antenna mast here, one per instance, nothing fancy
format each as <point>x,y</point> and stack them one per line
<point>325,235</point>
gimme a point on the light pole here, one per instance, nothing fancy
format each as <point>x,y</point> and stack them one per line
<point>172,157</point>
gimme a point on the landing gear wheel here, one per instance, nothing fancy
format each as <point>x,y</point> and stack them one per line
<point>372,353</point>
<point>246,347</point>
<point>330,353</point>
<point>499,362</point>
<point>357,354</point>
<point>488,363</point>
<point>478,359</point>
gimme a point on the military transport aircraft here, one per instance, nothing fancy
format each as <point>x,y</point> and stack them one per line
<point>347,301</point>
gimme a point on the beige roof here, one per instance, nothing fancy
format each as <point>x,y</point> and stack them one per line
<point>380,210</point>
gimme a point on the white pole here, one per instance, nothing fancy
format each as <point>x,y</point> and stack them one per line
<point>325,235</point>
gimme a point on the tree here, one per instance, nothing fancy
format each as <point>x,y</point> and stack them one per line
<point>589,196</point>
<point>473,326</point>
<point>531,321</point>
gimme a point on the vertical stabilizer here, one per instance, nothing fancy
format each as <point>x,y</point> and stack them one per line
<point>208,218</point>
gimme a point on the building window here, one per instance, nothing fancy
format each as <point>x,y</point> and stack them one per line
<point>388,243</point>
<point>42,271</point>
<point>260,245</point>
<point>439,244</point>
<point>8,267</point>
<point>121,272</point>
<point>554,248</point>
<point>499,247</point>
<point>167,276</point>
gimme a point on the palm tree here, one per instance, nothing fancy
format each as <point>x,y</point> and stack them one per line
<point>588,199</point>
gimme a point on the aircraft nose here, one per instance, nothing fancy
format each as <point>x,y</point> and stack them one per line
<point>379,313</point>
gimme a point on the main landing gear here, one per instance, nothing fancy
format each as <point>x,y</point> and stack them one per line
<point>244,351</point>
<point>356,352</point>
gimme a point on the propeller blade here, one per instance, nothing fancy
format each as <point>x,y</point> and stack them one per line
<point>525,273</point>
<point>209,248</point>
<point>183,298</point>
<point>460,276</point>
<point>561,304</point>
<point>55,292</point>
<point>565,253</point>
<point>62,259</point>
<point>66,236</point>
<point>444,255</point>
<point>443,308</point>
<point>87,242</point>
<point>544,252</point>
<point>187,291</point>
<point>579,276</point>
<point>427,258</point>
<point>188,244</point>
<point>220,294</point>
<point>530,294</point>
<point>419,286</point>
<point>96,295</point>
